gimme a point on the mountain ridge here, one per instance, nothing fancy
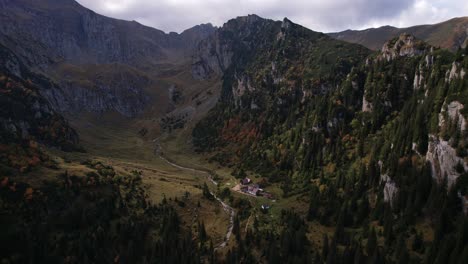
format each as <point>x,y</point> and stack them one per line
<point>449,34</point>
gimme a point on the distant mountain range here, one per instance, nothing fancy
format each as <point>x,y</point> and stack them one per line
<point>450,34</point>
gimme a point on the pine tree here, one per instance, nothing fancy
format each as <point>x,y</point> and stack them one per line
<point>236,228</point>
<point>202,232</point>
<point>403,255</point>
<point>325,246</point>
<point>333,252</point>
<point>418,243</point>
<point>371,242</point>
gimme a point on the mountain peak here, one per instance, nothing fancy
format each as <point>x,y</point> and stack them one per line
<point>404,45</point>
<point>286,23</point>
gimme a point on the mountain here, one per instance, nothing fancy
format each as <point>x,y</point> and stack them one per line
<point>101,64</point>
<point>27,118</point>
<point>260,141</point>
<point>65,30</point>
<point>450,34</point>
<point>381,134</point>
<point>248,45</point>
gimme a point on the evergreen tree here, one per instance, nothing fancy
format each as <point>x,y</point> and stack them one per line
<point>371,242</point>
<point>325,246</point>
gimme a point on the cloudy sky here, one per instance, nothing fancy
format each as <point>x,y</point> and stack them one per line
<point>319,15</point>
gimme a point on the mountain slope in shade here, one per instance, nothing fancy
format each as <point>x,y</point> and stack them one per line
<point>450,34</point>
<point>99,63</point>
<point>25,113</point>
<point>67,31</point>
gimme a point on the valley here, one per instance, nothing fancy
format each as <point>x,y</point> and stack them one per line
<point>258,141</point>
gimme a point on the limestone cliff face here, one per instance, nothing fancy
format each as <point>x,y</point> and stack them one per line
<point>214,55</point>
<point>24,113</point>
<point>444,159</point>
<point>455,72</point>
<point>390,189</point>
<point>52,37</point>
<point>442,156</point>
<point>404,45</point>
<point>64,30</point>
<point>123,95</point>
<point>366,105</point>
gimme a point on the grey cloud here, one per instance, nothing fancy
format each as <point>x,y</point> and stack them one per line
<point>319,15</point>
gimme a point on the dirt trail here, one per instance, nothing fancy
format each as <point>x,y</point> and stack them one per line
<point>228,209</point>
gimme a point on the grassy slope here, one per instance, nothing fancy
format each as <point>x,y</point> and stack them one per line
<point>115,142</point>
<point>178,147</point>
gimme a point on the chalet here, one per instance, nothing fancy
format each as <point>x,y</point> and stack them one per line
<point>265,207</point>
<point>254,190</point>
<point>245,181</point>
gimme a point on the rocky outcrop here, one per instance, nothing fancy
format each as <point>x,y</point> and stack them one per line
<point>366,105</point>
<point>404,45</point>
<point>192,36</point>
<point>418,82</point>
<point>441,155</point>
<point>453,111</point>
<point>99,89</point>
<point>212,57</point>
<point>443,159</point>
<point>244,85</point>
<point>455,72</point>
<point>71,97</point>
<point>390,189</point>
<point>25,115</point>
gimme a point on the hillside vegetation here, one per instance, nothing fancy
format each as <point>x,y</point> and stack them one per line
<point>362,139</point>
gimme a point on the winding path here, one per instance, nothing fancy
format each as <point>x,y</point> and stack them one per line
<point>228,209</point>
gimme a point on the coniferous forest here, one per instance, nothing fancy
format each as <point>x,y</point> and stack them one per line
<point>258,141</point>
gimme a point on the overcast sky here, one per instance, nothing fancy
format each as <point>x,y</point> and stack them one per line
<point>318,15</point>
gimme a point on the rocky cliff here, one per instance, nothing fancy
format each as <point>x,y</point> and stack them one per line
<point>404,45</point>
<point>99,63</point>
<point>248,51</point>
<point>64,30</point>
<point>24,113</point>
<point>214,55</point>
